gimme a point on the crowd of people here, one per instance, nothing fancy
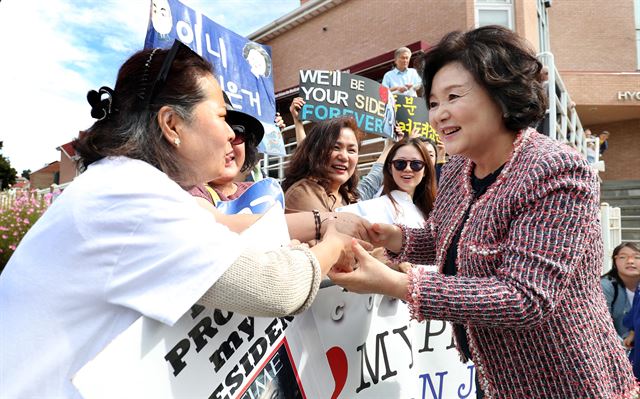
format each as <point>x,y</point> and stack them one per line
<point>503,241</point>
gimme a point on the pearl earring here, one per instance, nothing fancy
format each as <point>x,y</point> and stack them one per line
<point>176,141</point>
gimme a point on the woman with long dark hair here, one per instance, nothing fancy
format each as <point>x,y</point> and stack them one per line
<point>408,190</point>
<point>126,240</point>
<point>322,172</point>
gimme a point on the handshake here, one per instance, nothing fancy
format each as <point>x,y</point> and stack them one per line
<point>357,269</point>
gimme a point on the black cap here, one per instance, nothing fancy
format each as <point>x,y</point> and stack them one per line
<point>251,125</point>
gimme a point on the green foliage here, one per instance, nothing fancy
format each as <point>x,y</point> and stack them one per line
<point>17,218</point>
<point>26,173</point>
<point>7,173</point>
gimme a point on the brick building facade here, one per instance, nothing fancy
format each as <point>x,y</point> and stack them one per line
<point>594,46</point>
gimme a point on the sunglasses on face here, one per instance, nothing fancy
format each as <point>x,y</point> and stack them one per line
<point>241,135</point>
<point>401,164</point>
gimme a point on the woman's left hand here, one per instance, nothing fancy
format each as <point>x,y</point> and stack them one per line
<point>279,122</point>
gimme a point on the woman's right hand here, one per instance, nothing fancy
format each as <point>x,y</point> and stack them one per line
<point>341,243</point>
<point>369,276</point>
<point>628,341</point>
<point>386,235</point>
<point>295,107</point>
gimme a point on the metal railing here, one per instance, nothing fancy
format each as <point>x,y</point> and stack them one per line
<point>611,222</point>
<point>562,121</point>
<point>275,166</point>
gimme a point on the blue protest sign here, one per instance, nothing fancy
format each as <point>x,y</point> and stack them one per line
<point>258,198</point>
<point>243,67</point>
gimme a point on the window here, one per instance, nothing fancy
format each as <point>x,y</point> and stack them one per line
<point>494,12</point>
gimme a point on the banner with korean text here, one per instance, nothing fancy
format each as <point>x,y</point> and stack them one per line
<point>243,68</point>
<point>412,116</point>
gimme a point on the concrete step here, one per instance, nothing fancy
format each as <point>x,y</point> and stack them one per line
<point>620,184</point>
<point>630,221</point>
<point>619,188</point>
<point>619,201</point>
<point>630,233</point>
<point>629,210</point>
<point>619,193</point>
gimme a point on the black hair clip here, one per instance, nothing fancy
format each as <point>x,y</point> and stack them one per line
<point>101,108</point>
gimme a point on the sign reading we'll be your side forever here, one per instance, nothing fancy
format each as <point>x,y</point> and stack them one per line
<point>332,94</point>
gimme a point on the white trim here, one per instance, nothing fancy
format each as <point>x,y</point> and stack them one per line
<point>495,6</point>
<point>296,17</point>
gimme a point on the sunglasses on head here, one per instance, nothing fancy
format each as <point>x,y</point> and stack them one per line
<point>401,164</point>
<point>241,135</point>
<point>147,94</point>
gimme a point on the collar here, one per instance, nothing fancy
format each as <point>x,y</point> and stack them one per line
<point>401,196</point>
<point>521,139</point>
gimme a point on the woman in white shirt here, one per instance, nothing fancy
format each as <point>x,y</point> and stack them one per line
<point>409,187</point>
<point>126,240</point>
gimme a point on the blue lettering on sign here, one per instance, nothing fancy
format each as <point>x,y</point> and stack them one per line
<point>322,112</point>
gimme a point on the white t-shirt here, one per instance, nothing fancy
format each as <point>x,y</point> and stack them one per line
<point>381,210</point>
<point>123,240</point>
<point>630,295</point>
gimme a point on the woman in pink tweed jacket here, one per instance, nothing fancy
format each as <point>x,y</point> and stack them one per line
<point>515,233</point>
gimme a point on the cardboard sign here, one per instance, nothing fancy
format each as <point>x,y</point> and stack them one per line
<point>243,68</point>
<point>332,94</point>
<point>206,354</point>
<point>412,113</point>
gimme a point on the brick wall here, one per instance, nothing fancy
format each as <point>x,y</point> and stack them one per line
<point>357,30</point>
<point>622,159</point>
<point>593,35</point>
<point>67,169</point>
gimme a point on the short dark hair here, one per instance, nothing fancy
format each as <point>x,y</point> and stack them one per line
<point>312,155</point>
<point>501,62</point>
<point>425,194</point>
<point>133,129</point>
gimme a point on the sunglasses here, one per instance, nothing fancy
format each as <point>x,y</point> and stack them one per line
<point>401,164</point>
<point>146,97</point>
<point>241,134</point>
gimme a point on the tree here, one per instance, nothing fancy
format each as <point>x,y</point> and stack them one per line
<point>7,173</point>
<point>26,173</point>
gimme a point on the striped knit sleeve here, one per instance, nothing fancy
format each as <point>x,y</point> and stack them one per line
<point>557,216</point>
<point>418,246</point>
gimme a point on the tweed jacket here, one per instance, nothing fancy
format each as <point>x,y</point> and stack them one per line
<point>527,290</point>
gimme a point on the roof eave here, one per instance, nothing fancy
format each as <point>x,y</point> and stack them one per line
<point>289,21</point>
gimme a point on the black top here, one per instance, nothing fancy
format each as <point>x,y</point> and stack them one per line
<point>479,186</point>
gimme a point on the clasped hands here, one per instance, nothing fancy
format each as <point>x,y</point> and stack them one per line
<point>359,271</point>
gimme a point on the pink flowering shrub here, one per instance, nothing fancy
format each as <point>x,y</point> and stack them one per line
<point>17,218</point>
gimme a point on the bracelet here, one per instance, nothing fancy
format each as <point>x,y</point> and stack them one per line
<point>318,222</point>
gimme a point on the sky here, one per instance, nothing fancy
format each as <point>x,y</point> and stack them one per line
<point>54,51</point>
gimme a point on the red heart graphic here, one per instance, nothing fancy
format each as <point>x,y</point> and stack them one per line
<point>384,94</point>
<point>339,368</point>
